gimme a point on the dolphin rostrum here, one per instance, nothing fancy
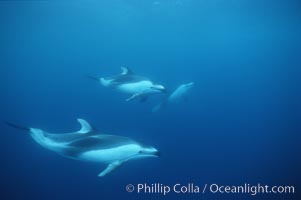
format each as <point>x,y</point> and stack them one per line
<point>89,145</point>
<point>137,87</point>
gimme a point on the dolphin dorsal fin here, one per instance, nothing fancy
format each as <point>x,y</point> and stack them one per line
<point>85,126</point>
<point>125,71</point>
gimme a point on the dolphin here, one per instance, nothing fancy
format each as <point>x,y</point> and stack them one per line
<point>137,87</point>
<point>87,144</point>
<point>178,95</point>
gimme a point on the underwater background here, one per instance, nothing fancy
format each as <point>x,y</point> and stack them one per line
<point>240,123</point>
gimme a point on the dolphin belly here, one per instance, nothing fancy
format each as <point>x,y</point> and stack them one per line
<point>135,87</point>
<point>121,153</point>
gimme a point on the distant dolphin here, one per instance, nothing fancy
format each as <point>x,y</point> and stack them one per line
<point>130,83</point>
<point>180,93</point>
<point>88,145</point>
<point>177,96</point>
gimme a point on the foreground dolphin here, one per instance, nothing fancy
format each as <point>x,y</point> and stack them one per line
<point>130,83</point>
<point>176,97</point>
<point>88,145</point>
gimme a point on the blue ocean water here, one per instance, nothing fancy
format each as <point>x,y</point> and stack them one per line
<point>240,123</point>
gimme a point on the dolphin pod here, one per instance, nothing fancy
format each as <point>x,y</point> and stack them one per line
<point>140,87</point>
<point>87,144</point>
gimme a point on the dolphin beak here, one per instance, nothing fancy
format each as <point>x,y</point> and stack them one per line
<point>160,88</point>
<point>190,84</point>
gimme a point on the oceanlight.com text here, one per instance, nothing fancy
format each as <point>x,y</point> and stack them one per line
<point>213,188</point>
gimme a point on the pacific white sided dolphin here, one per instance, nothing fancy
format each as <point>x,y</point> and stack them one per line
<point>180,93</point>
<point>88,145</point>
<point>136,86</point>
<point>176,96</point>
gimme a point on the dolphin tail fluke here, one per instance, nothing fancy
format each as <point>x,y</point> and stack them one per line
<point>111,167</point>
<point>17,126</point>
<point>94,78</point>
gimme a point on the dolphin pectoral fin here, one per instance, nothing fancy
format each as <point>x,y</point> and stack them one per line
<point>111,167</point>
<point>85,126</point>
<point>142,97</point>
<point>134,96</point>
<point>125,71</point>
